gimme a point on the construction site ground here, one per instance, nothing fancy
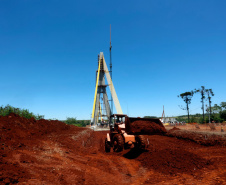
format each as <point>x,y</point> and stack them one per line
<point>51,152</point>
<point>202,128</point>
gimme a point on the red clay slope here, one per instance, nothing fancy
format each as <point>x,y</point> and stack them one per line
<point>21,134</point>
<point>51,152</point>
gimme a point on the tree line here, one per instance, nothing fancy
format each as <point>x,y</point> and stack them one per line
<point>6,110</point>
<point>74,121</point>
<point>215,113</point>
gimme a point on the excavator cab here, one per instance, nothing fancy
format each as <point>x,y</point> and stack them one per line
<point>118,121</point>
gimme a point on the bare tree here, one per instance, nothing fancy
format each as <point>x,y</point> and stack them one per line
<point>203,91</point>
<point>209,94</point>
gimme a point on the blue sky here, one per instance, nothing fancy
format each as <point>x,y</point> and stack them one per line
<point>48,54</point>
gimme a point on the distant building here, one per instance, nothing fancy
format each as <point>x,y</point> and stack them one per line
<point>169,120</point>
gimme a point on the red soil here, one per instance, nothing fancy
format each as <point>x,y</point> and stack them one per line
<point>204,138</point>
<point>174,128</point>
<point>147,128</point>
<point>51,152</point>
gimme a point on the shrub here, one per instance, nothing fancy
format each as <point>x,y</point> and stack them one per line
<point>5,111</point>
<point>71,121</point>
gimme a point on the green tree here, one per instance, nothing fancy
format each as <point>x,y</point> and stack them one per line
<point>222,112</point>
<point>150,117</point>
<point>71,121</point>
<point>219,112</point>
<point>223,105</point>
<point>216,109</point>
<point>194,119</point>
<point>5,111</point>
<point>223,115</point>
<point>187,96</point>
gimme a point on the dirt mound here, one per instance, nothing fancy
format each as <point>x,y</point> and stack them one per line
<point>174,128</point>
<point>169,159</point>
<point>51,152</point>
<point>147,128</point>
<point>20,134</point>
<point>173,161</point>
<point>208,139</point>
<point>17,132</point>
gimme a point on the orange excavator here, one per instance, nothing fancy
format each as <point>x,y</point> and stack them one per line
<point>127,132</point>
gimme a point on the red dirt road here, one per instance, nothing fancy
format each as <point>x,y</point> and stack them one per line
<point>50,152</point>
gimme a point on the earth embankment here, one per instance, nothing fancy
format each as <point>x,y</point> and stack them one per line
<point>51,152</point>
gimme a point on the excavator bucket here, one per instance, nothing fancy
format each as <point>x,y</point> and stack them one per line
<point>144,126</point>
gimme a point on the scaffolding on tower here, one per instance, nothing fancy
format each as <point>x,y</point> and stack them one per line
<point>101,102</point>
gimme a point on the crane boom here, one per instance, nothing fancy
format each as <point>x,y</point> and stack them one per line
<point>112,89</point>
<point>95,96</point>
